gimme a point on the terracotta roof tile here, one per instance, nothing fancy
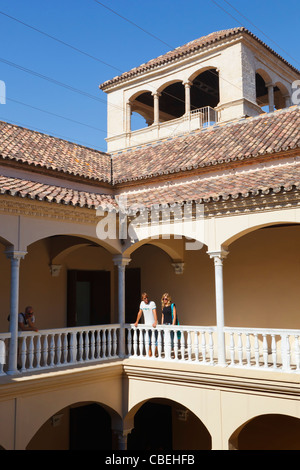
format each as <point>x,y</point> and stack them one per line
<point>44,151</point>
<point>54,194</point>
<point>248,138</point>
<point>186,49</point>
<point>241,183</point>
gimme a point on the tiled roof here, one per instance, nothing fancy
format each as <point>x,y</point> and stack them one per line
<point>243,141</point>
<point>186,49</point>
<point>220,144</point>
<point>44,151</point>
<point>241,183</point>
<point>50,193</point>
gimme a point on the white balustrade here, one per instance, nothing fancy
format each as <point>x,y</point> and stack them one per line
<point>178,343</point>
<point>60,347</point>
<point>268,349</point>
<point>255,348</point>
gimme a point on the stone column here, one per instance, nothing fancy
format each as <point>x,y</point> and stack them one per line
<point>187,88</point>
<point>156,96</point>
<point>15,257</point>
<point>121,438</point>
<point>128,116</point>
<point>218,257</point>
<point>287,100</point>
<point>270,87</point>
<point>121,262</point>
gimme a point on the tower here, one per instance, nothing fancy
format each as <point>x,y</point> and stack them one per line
<point>224,76</point>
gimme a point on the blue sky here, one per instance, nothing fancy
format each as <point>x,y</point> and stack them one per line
<point>40,72</point>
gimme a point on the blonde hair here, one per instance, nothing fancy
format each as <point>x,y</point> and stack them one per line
<point>169,300</point>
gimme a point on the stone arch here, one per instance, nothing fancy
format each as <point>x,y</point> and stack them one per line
<point>190,231</point>
<point>273,431</point>
<point>205,88</point>
<point>57,416</point>
<point>227,234</point>
<point>264,74</point>
<point>63,245</point>
<point>29,230</point>
<point>282,96</point>
<point>141,103</point>
<point>39,408</point>
<point>202,70</point>
<point>6,243</point>
<point>187,428</point>
<point>171,100</point>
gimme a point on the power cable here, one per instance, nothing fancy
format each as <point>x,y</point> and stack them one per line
<point>134,24</point>
<point>249,21</point>
<point>56,115</point>
<point>59,41</point>
<point>172,47</point>
<point>56,82</point>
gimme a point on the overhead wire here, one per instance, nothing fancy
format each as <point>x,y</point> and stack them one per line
<point>172,46</point>
<point>73,89</point>
<point>54,38</point>
<point>54,81</point>
<point>255,26</point>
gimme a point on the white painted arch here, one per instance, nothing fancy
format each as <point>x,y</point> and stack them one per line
<point>222,232</point>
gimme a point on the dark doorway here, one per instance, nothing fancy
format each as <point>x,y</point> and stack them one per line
<point>152,428</point>
<point>132,293</point>
<point>90,428</point>
<point>88,301</point>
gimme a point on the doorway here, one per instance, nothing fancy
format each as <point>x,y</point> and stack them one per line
<point>152,428</point>
<point>88,298</point>
<point>90,428</point>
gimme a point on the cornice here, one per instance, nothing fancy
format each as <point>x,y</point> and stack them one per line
<point>221,206</point>
<point>15,205</point>
<point>45,381</point>
<point>163,61</point>
<point>266,383</point>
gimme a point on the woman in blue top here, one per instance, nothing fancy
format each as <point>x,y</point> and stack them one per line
<point>168,314</point>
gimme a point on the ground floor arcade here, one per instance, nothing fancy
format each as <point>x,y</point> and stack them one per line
<point>135,406</point>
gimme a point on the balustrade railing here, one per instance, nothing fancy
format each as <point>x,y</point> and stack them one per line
<point>64,346</point>
<point>178,343</point>
<point>272,349</point>
<point>255,348</point>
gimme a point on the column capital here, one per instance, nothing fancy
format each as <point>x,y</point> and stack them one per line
<point>178,267</point>
<point>15,254</point>
<point>187,83</point>
<point>218,256</point>
<point>156,93</point>
<point>120,260</point>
